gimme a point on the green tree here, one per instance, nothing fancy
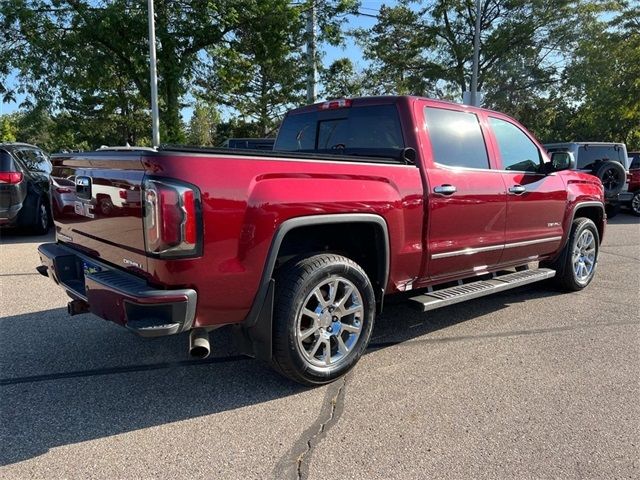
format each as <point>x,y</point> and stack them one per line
<point>340,79</point>
<point>89,50</point>
<point>8,129</point>
<point>604,80</point>
<point>428,48</point>
<point>397,47</point>
<point>203,126</point>
<point>257,73</point>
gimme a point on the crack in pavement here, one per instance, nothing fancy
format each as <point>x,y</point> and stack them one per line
<point>295,463</point>
<point>602,250</point>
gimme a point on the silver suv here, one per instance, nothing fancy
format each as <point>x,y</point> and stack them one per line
<point>607,161</point>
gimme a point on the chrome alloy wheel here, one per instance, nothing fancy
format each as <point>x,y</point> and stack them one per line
<point>584,256</point>
<point>330,322</point>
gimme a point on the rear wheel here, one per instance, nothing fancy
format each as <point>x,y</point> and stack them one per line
<point>323,318</point>
<point>42,218</point>
<point>576,265</point>
<point>106,206</point>
<point>635,204</point>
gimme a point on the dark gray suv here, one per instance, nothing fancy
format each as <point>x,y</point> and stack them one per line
<point>24,187</point>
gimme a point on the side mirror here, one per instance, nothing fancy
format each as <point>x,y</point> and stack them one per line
<point>409,155</point>
<point>560,161</point>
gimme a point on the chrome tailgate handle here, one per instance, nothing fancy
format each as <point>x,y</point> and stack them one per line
<point>445,190</point>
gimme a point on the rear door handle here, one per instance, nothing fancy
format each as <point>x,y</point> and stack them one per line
<point>445,190</point>
<point>517,190</point>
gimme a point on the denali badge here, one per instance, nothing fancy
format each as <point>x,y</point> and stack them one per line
<point>126,261</point>
<point>553,224</point>
<point>62,236</point>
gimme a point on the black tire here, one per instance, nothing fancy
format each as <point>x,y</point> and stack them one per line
<point>635,204</point>
<point>294,356</point>
<point>567,278</point>
<point>105,206</point>
<point>613,177</point>
<point>42,218</point>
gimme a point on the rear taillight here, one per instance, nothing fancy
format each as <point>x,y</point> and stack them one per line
<point>63,190</point>
<point>10,177</point>
<point>122,194</point>
<point>172,223</point>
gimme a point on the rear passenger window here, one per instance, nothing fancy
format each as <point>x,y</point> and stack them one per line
<point>517,150</point>
<point>456,138</point>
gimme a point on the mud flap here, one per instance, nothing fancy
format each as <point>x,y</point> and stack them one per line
<point>256,340</point>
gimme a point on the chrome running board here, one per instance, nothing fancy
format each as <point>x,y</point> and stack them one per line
<point>461,293</point>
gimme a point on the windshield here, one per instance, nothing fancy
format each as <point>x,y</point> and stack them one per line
<point>373,130</point>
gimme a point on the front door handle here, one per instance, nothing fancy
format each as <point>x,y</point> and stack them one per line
<point>445,190</point>
<point>517,190</point>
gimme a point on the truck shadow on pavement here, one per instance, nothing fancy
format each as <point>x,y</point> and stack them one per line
<point>70,380</point>
<point>10,236</point>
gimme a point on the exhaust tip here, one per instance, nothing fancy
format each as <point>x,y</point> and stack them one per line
<point>77,307</point>
<point>42,270</point>
<point>199,343</point>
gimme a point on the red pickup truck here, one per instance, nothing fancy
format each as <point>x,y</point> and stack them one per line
<point>297,248</point>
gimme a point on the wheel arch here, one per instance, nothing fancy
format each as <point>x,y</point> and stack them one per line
<point>254,334</point>
<point>595,211</point>
<point>363,239</point>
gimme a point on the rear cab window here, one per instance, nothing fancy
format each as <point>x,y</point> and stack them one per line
<point>373,130</point>
<point>456,138</point>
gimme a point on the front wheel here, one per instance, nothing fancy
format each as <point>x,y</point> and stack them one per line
<point>323,318</point>
<point>576,265</point>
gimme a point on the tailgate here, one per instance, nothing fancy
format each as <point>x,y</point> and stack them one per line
<point>106,220</point>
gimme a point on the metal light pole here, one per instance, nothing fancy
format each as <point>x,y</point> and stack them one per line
<point>311,53</point>
<point>155,118</point>
<point>476,54</point>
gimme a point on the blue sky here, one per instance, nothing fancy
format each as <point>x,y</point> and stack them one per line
<point>350,50</point>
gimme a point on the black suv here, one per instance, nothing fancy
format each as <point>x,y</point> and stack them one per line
<point>24,187</point>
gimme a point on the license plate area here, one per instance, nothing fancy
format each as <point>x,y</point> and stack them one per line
<point>88,268</point>
<point>71,271</point>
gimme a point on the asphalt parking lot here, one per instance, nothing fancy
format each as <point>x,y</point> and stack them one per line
<point>525,384</point>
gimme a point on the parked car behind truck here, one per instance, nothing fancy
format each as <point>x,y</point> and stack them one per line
<point>607,161</point>
<point>631,197</point>
<point>298,248</point>
<point>24,187</point>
